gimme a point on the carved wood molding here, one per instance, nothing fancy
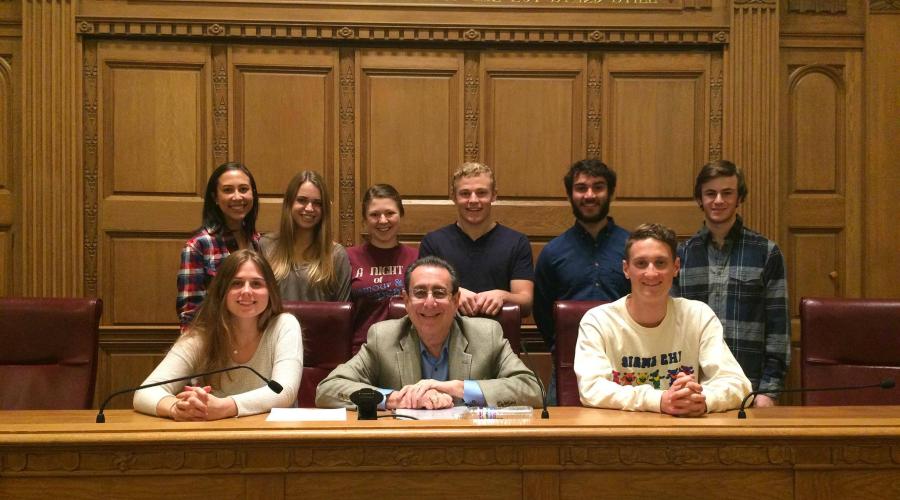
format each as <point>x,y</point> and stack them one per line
<point>817,6</point>
<point>472,106</point>
<point>399,33</point>
<point>220,103</point>
<point>594,106</point>
<point>884,6</point>
<point>91,191</point>
<point>52,224</point>
<point>347,146</point>
<point>494,5</point>
<point>715,108</point>
<point>286,457</point>
<point>751,80</point>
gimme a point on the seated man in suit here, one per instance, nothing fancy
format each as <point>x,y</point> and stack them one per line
<point>433,358</point>
<point>651,352</point>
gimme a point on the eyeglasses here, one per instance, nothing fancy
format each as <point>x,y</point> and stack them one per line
<point>437,294</point>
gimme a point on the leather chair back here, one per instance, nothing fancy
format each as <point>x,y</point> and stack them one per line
<point>327,338</point>
<point>850,342</point>
<point>48,358</point>
<point>510,319</point>
<point>567,316</point>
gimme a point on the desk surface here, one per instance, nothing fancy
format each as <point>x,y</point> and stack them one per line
<point>22,427</point>
<point>783,452</point>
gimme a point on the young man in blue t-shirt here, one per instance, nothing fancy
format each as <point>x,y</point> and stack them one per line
<point>493,261</point>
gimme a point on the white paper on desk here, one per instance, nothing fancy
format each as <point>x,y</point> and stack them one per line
<point>446,414</point>
<point>307,415</point>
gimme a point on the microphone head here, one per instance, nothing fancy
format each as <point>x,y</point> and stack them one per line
<point>887,383</point>
<point>275,386</point>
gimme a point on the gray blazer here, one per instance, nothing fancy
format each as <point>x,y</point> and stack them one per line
<point>391,359</point>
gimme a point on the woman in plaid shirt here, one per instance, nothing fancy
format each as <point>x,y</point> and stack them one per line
<point>230,207</point>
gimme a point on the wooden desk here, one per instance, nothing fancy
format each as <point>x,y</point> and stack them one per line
<point>786,452</point>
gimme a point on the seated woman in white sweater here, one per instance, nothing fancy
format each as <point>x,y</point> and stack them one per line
<point>239,323</point>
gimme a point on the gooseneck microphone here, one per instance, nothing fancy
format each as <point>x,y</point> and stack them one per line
<point>887,383</point>
<point>275,386</point>
<point>544,412</point>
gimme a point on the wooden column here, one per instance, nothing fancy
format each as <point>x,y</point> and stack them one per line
<point>51,261</point>
<point>881,267</point>
<point>751,115</point>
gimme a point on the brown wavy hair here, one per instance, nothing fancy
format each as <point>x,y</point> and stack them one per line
<point>319,255</point>
<point>213,324</point>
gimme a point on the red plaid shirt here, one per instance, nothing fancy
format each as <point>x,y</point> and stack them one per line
<point>200,260</point>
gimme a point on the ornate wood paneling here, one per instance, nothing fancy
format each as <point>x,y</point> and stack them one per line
<point>752,84</point>
<point>126,358</point>
<point>153,128</point>
<point>90,163</point>
<point>773,484</point>
<point>347,147</point>
<point>154,157</point>
<point>594,105</point>
<point>657,122</point>
<point>882,125</point>
<point>8,160</point>
<point>658,128</point>
<point>6,262</point>
<point>411,120</point>
<point>811,275</point>
<point>778,453</point>
<point>821,165</point>
<point>420,32</point>
<point>884,6</point>
<point>472,148</point>
<point>284,112</point>
<point>818,6</point>
<point>527,88</point>
<point>817,118</point>
<point>51,185</point>
<point>534,118</point>
<point>142,294</point>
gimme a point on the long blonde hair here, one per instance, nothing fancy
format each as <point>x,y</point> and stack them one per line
<point>212,326</point>
<point>319,256</point>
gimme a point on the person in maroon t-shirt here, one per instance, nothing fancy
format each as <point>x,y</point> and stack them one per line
<point>377,266</point>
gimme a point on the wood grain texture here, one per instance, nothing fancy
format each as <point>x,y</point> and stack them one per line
<point>51,152</point>
<point>534,116</point>
<point>411,131</point>
<point>836,194</point>
<point>10,128</point>
<point>775,453</point>
<point>882,152</point>
<point>283,108</point>
<point>751,142</point>
<point>657,122</point>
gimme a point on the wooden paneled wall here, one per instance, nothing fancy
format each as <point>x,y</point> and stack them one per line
<point>162,104</point>
<point>113,113</point>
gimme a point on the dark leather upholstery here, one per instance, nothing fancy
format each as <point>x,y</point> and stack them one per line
<point>48,358</point>
<point>850,342</point>
<point>327,336</point>
<point>567,316</point>
<point>510,319</point>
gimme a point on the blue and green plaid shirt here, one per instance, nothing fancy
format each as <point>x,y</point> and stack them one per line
<point>744,283</point>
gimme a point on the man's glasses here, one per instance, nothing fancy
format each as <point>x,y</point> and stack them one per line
<point>436,293</point>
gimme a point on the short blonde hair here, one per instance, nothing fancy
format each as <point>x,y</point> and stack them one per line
<point>471,169</point>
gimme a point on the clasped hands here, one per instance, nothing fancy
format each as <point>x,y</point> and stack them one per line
<point>684,398</point>
<point>427,393</point>
<point>196,404</point>
<point>487,303</point>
